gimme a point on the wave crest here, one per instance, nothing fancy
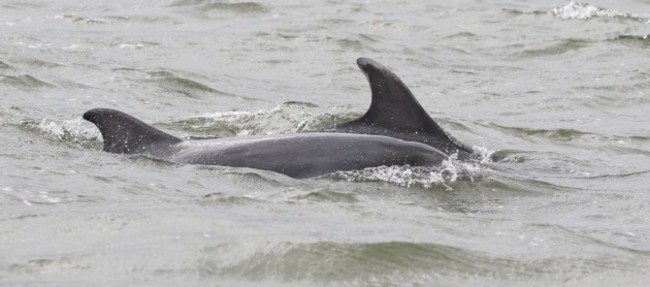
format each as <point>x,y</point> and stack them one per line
<point>584,11</point>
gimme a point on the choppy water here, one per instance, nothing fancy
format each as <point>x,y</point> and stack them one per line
<point>559,90</point>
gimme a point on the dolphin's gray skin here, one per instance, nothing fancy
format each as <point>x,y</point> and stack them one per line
<point>394,131</point>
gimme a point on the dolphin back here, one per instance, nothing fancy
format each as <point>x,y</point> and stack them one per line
<point>125,134</point>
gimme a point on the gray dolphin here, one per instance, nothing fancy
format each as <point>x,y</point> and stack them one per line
<point>394,131</point>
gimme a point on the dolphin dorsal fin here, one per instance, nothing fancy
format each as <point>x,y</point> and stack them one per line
<point>393,105</point>
<point>125,134</point>
<point>394,111</point>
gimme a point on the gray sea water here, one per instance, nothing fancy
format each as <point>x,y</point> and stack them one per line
<point>557,90</point>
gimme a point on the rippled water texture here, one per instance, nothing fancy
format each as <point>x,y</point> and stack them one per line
<point>556,91</point>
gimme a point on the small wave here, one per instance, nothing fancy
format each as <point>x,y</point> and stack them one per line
<point>172,82</point>
<point>620,175</point>
<point>562,47</point>
<point>219,198</point>
<point>358,43</point>
<point>43,197</point>
<point>289,117</point>
<point>464,36</point>
<point>585,11</point>
<point>80,19</point>
<point>238,7</point>
<point>450,171</point>
<point>111,20</point>
<point>4,66</point>
<point>633,40</point>
<point>25,82</point>
<point>349,261</point>
<point>327,196</point>
<point>167,81</point>
<point>39,63</point>
<point>20,5</point>
<point>519,12</point>
<point>395,262</point>
<point>565,135</point>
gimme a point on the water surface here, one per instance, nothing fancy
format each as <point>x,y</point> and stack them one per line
<point>557,90</point>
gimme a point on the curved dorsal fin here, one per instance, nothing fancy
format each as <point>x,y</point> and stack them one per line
<point>393,105</point>
<point>125,134</point>
<point>395,112</point>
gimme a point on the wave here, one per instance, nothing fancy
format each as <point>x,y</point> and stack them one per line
<point>25,82</point>
<point>564,46</point>
<point>39,63</point>
<point>49,197</point>
<point>99,20</point>
<point>288,117</point>
<point>394,262</point>
<point>170,81</point>
<point>167,81</point>
<point>319,195</point>
<point>642,41</point>
<point>4,66</point>
<point>564,135</point>
<point>112,20</point>
<point>209,5</point>
<point>584,11</point>
<point>358,43</point>
<point>328,260</point>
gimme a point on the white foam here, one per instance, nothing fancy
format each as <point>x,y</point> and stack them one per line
<point>583,11</point>
<point>137,46</point>
<point>238,116</point>
<point>52,128</point>
<point>450,170</point>
<point>482,154</point>
<point>74,128</point>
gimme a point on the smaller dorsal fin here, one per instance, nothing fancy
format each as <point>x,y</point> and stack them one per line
<point>125,134</point>
<point>395,112</point>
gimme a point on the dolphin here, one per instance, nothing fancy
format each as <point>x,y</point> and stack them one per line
<point>395,130</point>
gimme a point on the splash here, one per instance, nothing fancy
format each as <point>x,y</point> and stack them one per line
<point>584,11</point>
<point>450,171</point>
<point>75,130</point>
<point>482,154</point>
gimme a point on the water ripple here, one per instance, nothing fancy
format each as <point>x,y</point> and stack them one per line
<point>633,40</point>
<point>563,47</point>
<point>24,82</point>
<point>209,5</point>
